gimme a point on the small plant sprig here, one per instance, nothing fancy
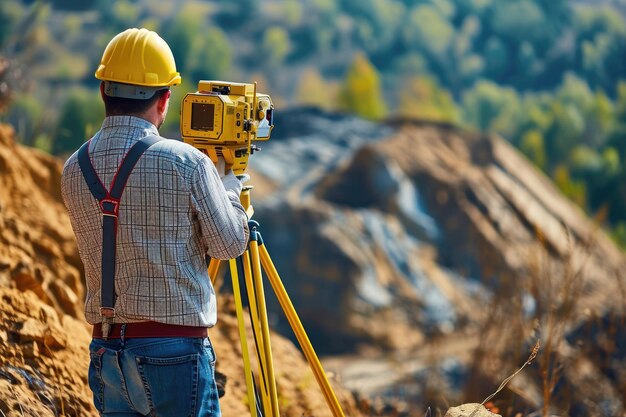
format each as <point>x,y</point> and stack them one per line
<point>504,383</point>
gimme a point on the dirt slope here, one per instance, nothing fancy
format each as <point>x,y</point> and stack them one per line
<point>43,337</point>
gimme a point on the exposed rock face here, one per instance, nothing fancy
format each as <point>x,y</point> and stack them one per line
<point>344,287</point>
<point>43,335</point>
<point>500,216</point>
<point>451,251</point>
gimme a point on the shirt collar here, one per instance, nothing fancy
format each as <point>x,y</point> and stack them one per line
<point>130,121</point>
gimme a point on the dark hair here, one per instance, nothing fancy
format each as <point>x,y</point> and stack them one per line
<point>118,106</point>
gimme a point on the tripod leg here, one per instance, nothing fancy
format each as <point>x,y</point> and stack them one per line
<point>255,320</point>
<point>214,267</point>
<point>296,325</point>
<point>267,360</point>
<point>242,337</point>
<point>253,308</point>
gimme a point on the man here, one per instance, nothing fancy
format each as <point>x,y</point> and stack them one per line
<point>144,240</point>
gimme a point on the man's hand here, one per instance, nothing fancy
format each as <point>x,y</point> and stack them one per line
<point>231,183</point>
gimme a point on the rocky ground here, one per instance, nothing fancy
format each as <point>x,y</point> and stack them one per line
<point>425,263</point>
<point>43,336</point>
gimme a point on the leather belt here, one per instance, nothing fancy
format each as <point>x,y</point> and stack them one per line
<point>149,329</point>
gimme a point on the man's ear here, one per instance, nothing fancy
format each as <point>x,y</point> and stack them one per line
<point>162,102</point>
<point>102,90</point>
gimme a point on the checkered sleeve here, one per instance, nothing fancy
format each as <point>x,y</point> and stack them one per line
<point>222,218</point>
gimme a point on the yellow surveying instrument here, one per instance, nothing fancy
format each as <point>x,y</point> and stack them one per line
<point>222,119</point>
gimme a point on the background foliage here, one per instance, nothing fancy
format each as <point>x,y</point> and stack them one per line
<point>548,75</point>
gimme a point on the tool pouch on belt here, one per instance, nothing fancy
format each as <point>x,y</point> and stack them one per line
<point>109,203</point>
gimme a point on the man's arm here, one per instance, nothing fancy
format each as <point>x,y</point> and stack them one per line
<point>223,219</point>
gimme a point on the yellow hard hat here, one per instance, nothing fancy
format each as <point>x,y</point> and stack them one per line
<point>138,57</point>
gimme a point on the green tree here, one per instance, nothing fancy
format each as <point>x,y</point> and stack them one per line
<point>275,45</point>
<point>619,234</point>
<point>533,116</point>
<point>565,132</point>
<point>575,190</point>
<point>600,119</point>
<point>79,119</point>
<point>518,21</point>
<point>532,145</point>
<point>617,137</point>
<point>25,114</point>
<point>314,90</point>
<point>611,161</point>
<point>601,33</point>
<point>472,7</point>
<point>375,23</point>
<point>315,35</point>
<point>490,107</point>
<point>292,12</point>
<point>571,112</point>
<point>8,19</point>
<point>73,5</point>
<point>237,14</point>
<point>583,159</point>
<point>603,174</point>
<point>409,65</point>
<point>465,38</point>
<point>575,91</point>
<point>361,92</point>
<point>590,21</point>
<point>180,34</point>
<point>446,8</point>
<point>620,102</point>
<point>119,15</point>
<point>428,30</point>
<point>211,57</point>
<point>497,58</point>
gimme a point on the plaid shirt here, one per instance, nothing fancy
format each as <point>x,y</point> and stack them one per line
<point>174,211</point>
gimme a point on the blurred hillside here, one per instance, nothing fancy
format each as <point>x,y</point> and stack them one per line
<point>548,75</point>
<point>424,261</point>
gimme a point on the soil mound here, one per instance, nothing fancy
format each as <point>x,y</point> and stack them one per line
<point>43,336</point>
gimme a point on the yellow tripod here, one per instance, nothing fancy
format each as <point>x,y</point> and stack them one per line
<point>262,393</point>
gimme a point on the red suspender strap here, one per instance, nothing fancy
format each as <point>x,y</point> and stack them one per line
<point>109,202</point>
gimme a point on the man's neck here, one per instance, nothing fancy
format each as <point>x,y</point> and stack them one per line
<point>145,117</point>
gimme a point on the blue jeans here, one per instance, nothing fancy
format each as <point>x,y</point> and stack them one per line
<point>156,377</point>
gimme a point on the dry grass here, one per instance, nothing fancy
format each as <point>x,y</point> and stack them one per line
<point>17,400</point>
<point>556,295</point>
<point>504,383</point>
<point>555,284</point>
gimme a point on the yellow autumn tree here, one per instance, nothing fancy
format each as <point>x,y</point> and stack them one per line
<point>361,92</point>
<point>314,90</point>
<point>422,98</point>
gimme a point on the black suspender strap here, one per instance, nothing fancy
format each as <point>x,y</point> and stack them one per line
<point>109,202</point>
